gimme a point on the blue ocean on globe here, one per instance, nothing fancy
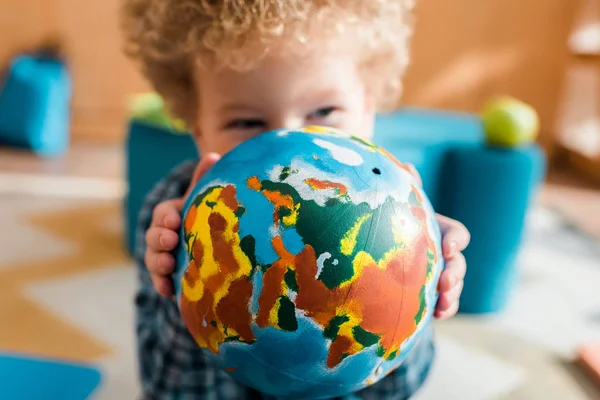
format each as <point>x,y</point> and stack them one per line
<point>309,263</point>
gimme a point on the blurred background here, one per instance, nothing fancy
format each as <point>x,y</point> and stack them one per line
<point>75,163</point>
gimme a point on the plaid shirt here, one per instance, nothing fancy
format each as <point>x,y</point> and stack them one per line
<point>173,367</point>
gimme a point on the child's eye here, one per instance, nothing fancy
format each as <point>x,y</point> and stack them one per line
<point>246,124</point>
<point>322,112</point>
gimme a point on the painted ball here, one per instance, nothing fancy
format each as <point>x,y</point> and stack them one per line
<point>309,263</point>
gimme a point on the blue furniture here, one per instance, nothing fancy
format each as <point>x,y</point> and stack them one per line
<point>492,189</point>
<point>35,105</point>
<point>487,189</point>
<point>35,379</point>
<point>151,153</point>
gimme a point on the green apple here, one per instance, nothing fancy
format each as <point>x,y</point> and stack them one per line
<point>509,122</point>
<point>150,109</point>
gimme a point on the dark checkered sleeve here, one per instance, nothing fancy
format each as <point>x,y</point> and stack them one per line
<point>173,367</point>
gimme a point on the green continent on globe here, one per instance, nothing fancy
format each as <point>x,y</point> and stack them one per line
<point>361,274</point>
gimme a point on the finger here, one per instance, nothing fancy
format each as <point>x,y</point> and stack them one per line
<point>207,161</point>
<point>455,235</point>
<point>163,285</point>
<point>166,214</point>
<point>449,313</point>
<point>159,263</point>
<point>161,239</point>
<point>453,273</point>
<point>448,299</point>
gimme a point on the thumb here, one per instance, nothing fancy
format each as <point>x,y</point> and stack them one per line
<point>203,166</point>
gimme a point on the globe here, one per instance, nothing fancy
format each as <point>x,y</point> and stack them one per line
<point>309,263</point>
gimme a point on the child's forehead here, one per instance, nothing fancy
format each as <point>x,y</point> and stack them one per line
<point>312,71</point>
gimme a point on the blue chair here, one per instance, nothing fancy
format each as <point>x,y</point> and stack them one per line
<point>487,189</point>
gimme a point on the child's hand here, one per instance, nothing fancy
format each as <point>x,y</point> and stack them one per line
<point>162,237</point>
<point>455,238</point>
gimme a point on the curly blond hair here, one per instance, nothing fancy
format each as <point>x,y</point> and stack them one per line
<point>168,38</point>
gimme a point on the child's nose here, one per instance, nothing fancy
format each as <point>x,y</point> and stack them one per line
<point>289,122</point>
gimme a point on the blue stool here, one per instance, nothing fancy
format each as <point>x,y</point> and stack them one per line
<point>151,153</point>
<point>492,190</point>
<point>34,105</point>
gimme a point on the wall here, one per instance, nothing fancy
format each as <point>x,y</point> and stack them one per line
<point>468,50</point>
<point>464,52</point>
<point>23,23</point>
<point>103,76</point>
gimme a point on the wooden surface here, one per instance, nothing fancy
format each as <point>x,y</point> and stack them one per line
<point>85,159</point>
<point>464,52</point>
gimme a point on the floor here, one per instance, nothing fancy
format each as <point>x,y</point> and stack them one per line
<point>66,285</point>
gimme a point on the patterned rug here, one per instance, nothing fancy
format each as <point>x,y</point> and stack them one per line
<point>66,291</point>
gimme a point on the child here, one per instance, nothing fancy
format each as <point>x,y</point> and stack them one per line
<point>232,69</point>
